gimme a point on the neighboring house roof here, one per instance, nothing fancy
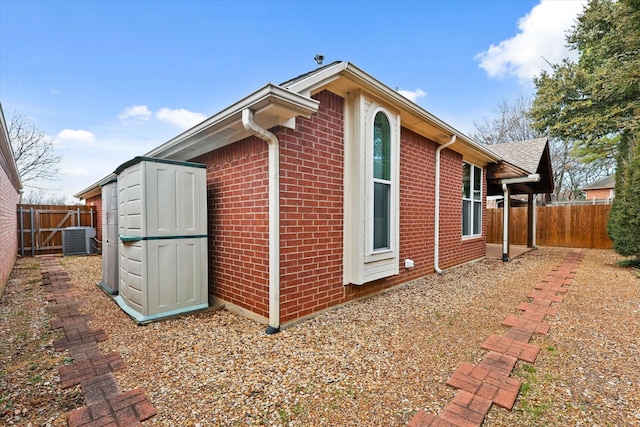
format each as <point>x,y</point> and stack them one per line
<point>519,159</point>
<point>7,159</point>
<point>95,188</point>
<point>602,184</point>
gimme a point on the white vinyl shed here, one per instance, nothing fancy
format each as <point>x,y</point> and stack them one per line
<point>162,226</point>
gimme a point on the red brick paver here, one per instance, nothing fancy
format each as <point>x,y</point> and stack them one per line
<point>123,409</point>
<point>519,334</point>
<point>548,311</point>
<point>490,382</point>
<point>74,374</point>
<point>466,409</point>
<point>499,362</point>
<point>520,322</point>
<point>519,349</point>
<point>106,404</point>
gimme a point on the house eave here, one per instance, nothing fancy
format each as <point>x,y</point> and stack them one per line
<point>272,106</point>
<point>94,189</point>
<point>344,77</point>
<point>7,153</point>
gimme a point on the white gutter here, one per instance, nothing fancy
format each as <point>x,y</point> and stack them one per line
<point>436,237</point>
<point>505,209</point>
<point>274,216</point>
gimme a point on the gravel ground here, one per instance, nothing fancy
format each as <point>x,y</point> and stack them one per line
<point>370,363</point>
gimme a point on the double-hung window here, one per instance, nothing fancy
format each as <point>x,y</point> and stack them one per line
<point>372,190</point>
<point>471,200</point>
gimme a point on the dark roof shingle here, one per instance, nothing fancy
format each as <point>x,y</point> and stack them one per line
<point>525,155</point>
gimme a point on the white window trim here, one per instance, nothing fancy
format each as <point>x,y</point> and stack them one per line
<point>473,201</point>
<point>362,263</point>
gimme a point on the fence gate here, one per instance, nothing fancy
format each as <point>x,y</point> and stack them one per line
<point>40,226</point>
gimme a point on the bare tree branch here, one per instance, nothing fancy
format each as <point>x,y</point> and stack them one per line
<point>34,151</point>
<point>513,122</point>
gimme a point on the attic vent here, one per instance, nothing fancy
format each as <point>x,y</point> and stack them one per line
<point>77,240</point>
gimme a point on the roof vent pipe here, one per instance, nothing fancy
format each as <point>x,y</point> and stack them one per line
<point>436,237</point>
<point>274,217</point>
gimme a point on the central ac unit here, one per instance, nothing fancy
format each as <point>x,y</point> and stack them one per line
<point>77,240</point>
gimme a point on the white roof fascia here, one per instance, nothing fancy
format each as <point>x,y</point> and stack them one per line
<point>416,110</point>
<point>350,71</point>
<point>261,102</point>
<point>95,188</point>
<point>319,79</point>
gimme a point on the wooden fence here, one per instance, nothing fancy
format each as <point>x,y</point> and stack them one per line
<point>40,226</point>
<point>576,226</point>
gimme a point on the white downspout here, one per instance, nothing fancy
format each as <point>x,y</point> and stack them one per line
<point>535,221</point>
<point>274,217</point>
<point>436,237</point>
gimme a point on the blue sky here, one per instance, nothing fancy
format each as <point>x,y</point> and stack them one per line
<point>110,80</point>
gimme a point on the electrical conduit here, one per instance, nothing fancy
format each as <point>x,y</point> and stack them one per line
<point>274,217</point>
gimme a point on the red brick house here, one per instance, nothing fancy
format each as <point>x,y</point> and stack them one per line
<point>328,188</point>
<point>601,190</point>
<point>10,190</point>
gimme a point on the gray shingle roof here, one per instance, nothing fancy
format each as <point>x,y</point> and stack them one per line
<point>606,182</point>
<point>525,155</point>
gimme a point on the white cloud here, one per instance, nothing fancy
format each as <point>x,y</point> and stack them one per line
<point>413,95</point>
<point>541,37</point>
<point>180,117</point>
<point>136,112</point>
<point>75,172</point>
<point>70,135</point>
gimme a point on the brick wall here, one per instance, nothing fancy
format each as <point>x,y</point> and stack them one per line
<point>599,194</point>
<point>312,213</point>
<point>238,221</point>
<point>453,249</point>
<point>312,205</point>
<point>96,201</point>
<point>417,214</point>
<point>9,199</point>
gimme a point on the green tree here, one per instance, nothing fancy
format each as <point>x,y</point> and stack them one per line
<point>624,220</point>
<point>595,103</point>
<point>512,122</point>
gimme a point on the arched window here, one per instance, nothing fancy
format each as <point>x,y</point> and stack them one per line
<point>381,182</point>
<point>372,191</point>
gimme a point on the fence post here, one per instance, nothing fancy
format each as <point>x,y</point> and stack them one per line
<point>21,233</point>
<point>33,237</point>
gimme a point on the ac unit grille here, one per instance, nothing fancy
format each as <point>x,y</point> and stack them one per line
<point>77,240</point>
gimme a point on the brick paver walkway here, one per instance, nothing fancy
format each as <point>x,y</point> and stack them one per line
<point>490,382</point>
<point>105,403</point>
